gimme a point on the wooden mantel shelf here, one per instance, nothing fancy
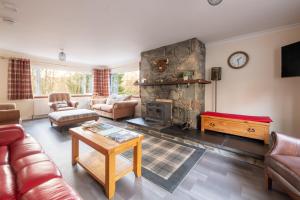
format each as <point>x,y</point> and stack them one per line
<point>177,82</point>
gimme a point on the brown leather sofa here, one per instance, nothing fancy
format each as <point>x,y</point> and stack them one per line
<point>9,114</point>
<point>61,102</point>
<point>115,110</point>
<point>283,164</point>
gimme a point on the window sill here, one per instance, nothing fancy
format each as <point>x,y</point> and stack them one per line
<point>73,95</point>
<point>136,96</point>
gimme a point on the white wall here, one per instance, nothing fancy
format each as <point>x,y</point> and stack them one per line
<point>128,67</point>
<point>257,89</point>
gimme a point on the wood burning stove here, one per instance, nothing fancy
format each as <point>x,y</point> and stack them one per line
<point>159,112</point>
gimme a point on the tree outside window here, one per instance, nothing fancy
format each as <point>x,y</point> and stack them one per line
<point>124,83</point>
<point>46,81</point>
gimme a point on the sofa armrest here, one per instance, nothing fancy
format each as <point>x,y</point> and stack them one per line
<point>10,133</point>
<point>7,106</point>
<point>125,104</point>
<point>9,116</point>
<point>73,103</point>
<point>284,145</point>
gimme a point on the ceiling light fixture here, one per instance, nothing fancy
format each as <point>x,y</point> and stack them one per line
<point>62,55</point>
<point>214,2</point>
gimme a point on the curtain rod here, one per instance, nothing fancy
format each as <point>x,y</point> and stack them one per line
<point>38,62</point>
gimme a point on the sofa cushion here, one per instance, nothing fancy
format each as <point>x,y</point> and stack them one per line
<point>24,147</point>
<point>287,166</point>
<point>3,155</point>
<point>54,189</point>
<point>8,185</point>
<point>19,164</point>
<point>116,98</point>
<point>106,108</point>
<point>35,174</point>
<point>97,106</point>
<point>61,104</point>
<point>26,140</point>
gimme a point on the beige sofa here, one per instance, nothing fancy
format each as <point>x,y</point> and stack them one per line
<point>9,114</point>
<point>114,107</point>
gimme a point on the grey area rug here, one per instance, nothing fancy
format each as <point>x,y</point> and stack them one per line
<point>166,162</point>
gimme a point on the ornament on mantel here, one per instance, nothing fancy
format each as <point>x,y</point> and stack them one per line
<point>160,64</point>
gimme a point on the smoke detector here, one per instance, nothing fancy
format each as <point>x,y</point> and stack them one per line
<point>8,20</point>
<point>8,12</point>
<point>9,6</point>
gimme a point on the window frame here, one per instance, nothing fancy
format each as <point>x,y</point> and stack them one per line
<point>38,96</point>
<point>132,95</point>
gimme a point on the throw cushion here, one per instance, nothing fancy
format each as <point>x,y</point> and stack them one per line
<point>97,106</point>
<point>116,98</point>
<point>106,108</point>
<point>61,104</point>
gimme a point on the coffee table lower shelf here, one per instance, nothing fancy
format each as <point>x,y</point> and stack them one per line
<point>94,163</point>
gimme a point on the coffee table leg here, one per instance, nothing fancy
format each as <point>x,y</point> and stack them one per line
<point>137,159</point>
<point>110,167</point>
<point>75,150</point>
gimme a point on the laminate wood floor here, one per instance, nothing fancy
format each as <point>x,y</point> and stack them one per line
<point>213,177</point>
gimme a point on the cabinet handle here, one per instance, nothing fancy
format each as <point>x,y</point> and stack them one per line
<point>251,130</point>
<point>212,124</point>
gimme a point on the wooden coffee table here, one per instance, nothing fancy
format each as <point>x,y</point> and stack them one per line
<point>105,164</point>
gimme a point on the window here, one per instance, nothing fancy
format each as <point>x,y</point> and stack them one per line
<point>46,81</point>
<point>124,83</point>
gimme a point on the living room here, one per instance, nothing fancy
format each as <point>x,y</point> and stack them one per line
<point>171,100</point>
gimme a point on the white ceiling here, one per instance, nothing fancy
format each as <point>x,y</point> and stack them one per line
<point>108,32</point>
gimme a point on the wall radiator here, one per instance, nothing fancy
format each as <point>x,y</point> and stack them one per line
<point>40,108</point>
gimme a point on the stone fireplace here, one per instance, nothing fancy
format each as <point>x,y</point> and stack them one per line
<point>188,100</point>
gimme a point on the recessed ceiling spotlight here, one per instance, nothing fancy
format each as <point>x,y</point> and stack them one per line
<point>214,2</point>
<point>8,20</point>
<point>62,56</point>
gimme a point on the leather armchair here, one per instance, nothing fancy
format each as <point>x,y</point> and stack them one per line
<point>9,114</point>
<point>283,164</point>
<point>61,102</point>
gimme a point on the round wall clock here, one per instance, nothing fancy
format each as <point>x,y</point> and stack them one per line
<point>238,59</point>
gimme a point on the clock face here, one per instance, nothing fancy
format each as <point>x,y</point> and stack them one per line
<point>238,60</point>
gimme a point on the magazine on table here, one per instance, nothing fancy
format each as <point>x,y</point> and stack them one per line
<point>115,133</point>
<point>123,135</point>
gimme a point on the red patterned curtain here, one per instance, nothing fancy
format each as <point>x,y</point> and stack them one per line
<point>101,81</point>
<point>19,79</point>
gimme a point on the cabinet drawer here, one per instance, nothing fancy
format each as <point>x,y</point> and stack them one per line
<point>240,128</point>
<point>257,131</point>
